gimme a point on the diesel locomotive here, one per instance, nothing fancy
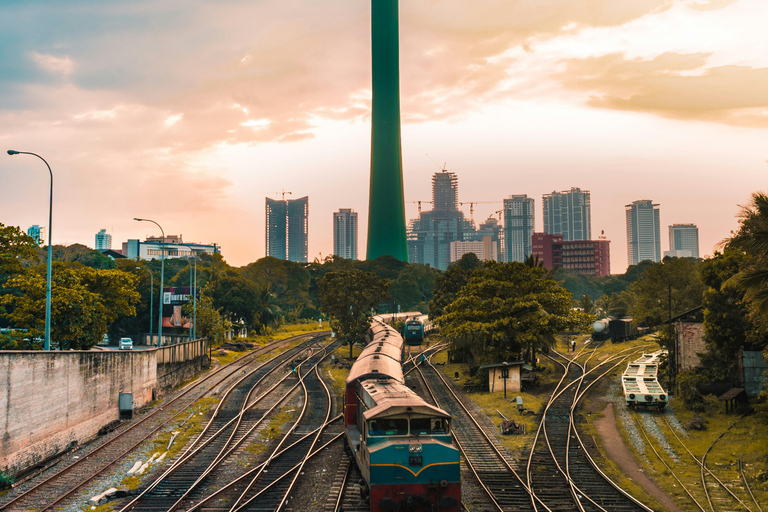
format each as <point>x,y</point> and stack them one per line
<point>402,444</point>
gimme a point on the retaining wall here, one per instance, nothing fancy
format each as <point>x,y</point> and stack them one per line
<point>49,400</point>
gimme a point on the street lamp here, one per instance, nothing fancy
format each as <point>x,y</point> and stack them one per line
<point>151,298</point>
<point>47,345</point>
<point>162,280</point>
<point>194,294</point>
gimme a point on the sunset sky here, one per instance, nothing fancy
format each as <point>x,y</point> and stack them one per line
<point>190,112</point>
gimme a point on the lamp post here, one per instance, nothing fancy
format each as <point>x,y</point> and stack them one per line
<point>151,298</point>
<point>194,294</point>
<point>162,279</point>
<point>47,345</point>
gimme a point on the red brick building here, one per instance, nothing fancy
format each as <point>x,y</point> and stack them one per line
<point>591,257</point>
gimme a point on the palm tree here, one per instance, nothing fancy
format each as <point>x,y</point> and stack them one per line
<point>752,239</point>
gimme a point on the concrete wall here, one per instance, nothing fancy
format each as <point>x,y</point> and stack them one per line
<point>51,399</point>
<point>496,381</point>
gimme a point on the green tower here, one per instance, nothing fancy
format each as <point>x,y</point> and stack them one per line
<point>386,206</point>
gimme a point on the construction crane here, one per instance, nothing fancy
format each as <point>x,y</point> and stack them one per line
<point>472,207</point>
<point>283,193</point>
<point>419,204</point>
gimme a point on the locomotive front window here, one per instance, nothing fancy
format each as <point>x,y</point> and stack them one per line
<point>426,426</point>
<point>389,427</point>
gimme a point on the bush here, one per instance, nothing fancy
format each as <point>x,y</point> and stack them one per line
<point>688,384</point>
<point>6,481</point>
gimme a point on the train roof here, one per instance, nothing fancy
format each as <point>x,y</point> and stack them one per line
<point>394,398</point>
<point>380,358</point>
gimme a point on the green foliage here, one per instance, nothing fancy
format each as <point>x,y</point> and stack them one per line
<point>595,287</point>
<point>752,240</point>
<point>585,304</point>
<point>729,323</point>
<point>413,287</point>
<point>78,253</point>
<point>348,297</point>
<point>688,385</point>
<point>287,282</point>
<point>449,283</point>
<point>210,324</point>
<point>652,290</point>
<point>6,481</point>
<point>84,302</point>
<point>506,310</point>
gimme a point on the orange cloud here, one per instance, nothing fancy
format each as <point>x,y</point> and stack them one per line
<point>673,85</point>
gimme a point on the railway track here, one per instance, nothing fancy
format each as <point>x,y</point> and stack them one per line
<point>712,492</point>
<point>245,408</point>
<point>499,477</point>
<point>589,488</point>
<point>96,459</point>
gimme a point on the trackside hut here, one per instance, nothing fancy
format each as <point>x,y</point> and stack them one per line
<point>498,373</point>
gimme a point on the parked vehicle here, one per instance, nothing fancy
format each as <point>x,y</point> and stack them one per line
<point>126,344</point>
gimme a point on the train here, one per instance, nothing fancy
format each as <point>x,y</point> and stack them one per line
<point>416,329</point>
<point>617,329</point>
<point>402,445</point>
<point>640,382</point>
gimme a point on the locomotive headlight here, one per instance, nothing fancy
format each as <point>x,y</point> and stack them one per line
<point>414,448</point>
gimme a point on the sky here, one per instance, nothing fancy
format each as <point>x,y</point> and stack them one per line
<point>191,112</point>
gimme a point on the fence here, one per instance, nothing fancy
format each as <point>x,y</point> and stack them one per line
<point>180,352</point>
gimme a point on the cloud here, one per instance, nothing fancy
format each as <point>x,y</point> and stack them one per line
<point>53,64</point>
<point>673,85</point>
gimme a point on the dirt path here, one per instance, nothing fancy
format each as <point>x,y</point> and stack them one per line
<point>620,454</point>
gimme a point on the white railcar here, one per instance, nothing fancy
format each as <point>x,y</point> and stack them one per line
<point>640,382</point>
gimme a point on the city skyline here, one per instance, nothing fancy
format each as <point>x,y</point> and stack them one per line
<point>206,111</point>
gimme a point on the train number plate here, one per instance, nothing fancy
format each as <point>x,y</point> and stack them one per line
<point>415,460</point>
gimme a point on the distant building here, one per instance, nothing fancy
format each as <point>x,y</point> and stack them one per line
<point>684,237</point>
<point>38,233</point>
<point>643,236</point>
<point>518,227</point>
<point>287,229</point>
<point>678,254</point>
<point>153,248</point>
<point>485,249</point>
<point>491,227</point>
<point>345,233</point>
<point>589,257</point>
<point>431,234</point>
<point>103,241</point>
<point>568,213</point>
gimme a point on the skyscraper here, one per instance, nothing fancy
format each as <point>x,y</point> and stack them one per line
<point>518,227</point>
<point>683,239</point>
<point>386,206</point>
<point>345,233</point>
<point>568,213</point>
<point>37,232</point>
<point>103,241</point>
<point>430,236</point>
<point>643,237</point>
<point>287,228</point>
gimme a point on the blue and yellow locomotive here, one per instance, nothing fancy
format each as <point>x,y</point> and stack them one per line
<point>401,444</point>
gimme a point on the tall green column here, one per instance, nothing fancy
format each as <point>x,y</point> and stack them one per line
<point>386,206</point>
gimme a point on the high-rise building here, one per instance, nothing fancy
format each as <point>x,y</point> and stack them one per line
<point>683,239</point>
<point>37,232</point>
<point>590,257</point>
<point>345,233</point>
<point>287,228</point>
<point>643,236</point>
<point>103,241</point>
<point>568,213</point>
<point>518,227</point>
<point>430,236</point>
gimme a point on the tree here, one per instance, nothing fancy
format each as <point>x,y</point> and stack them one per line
<point>752,239</point>
<point>348,297</point>
<point>287,281</point>
<point>651,292</point>
<point>84,302</point>
<point>449,283</point>
<point>730,324</point>
<point>414,286</point>
<point>509,309</point>
<point>210,324</point>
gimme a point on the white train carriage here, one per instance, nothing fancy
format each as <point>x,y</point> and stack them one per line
<point>640,382</point>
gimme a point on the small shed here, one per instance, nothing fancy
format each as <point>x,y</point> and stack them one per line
<point>498,373</point>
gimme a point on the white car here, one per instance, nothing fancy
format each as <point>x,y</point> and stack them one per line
<point>126,344</point>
